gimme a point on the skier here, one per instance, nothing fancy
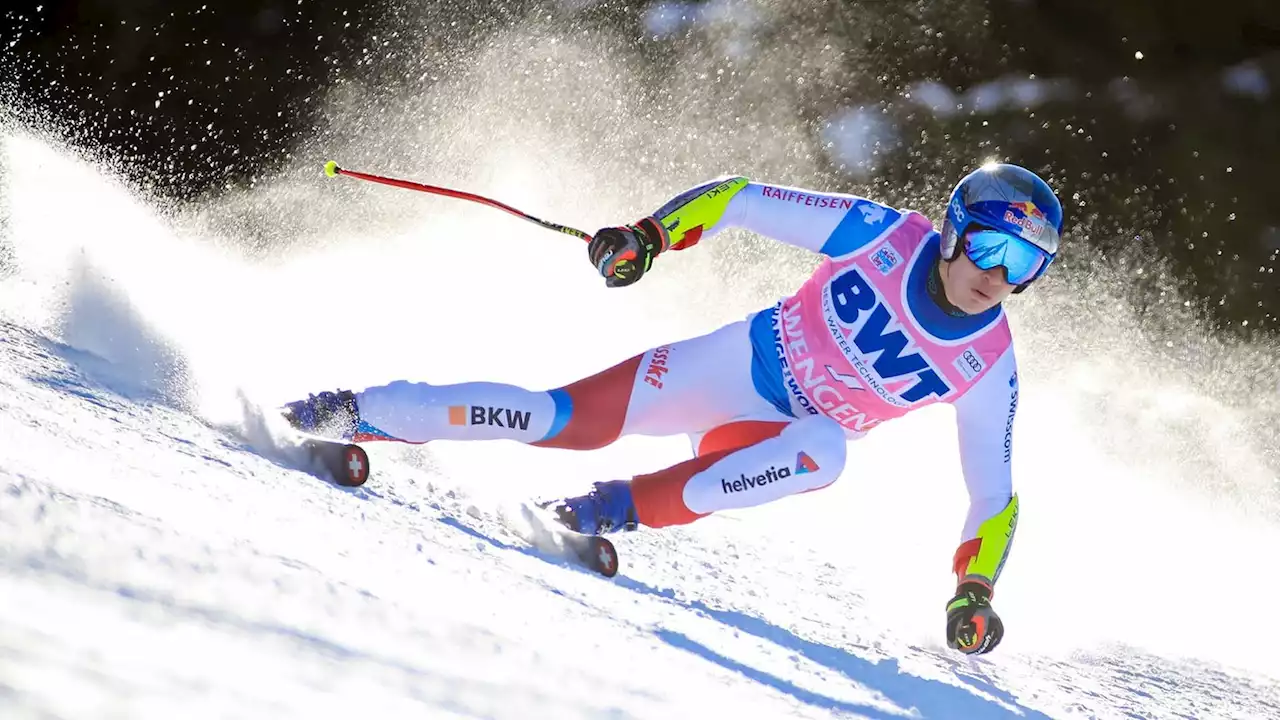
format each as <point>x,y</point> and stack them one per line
<point>898,317</point>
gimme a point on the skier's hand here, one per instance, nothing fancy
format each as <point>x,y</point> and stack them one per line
<point>623,254</point>
<point>972,625</point>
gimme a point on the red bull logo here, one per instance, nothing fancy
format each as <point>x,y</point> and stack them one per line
<point>1028,217</point>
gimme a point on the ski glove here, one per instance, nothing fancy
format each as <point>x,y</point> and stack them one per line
<point>972,626</point>
<point>623,254</point>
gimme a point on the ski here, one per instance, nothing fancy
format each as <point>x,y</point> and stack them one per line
<point>592,552</point>
<point>344,463</point>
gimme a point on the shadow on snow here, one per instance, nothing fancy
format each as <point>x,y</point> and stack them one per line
<point>931,698</point>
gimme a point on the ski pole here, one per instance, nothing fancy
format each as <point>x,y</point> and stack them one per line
<point>332,170</point>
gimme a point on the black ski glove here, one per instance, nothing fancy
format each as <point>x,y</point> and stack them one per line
<point>972,626</point>
<point>623,254</point>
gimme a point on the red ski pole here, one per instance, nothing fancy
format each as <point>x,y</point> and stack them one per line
<point>332,170</point>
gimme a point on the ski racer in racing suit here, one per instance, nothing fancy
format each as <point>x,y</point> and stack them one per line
<point>899,316</point>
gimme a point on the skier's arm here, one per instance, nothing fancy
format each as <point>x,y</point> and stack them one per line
<point>984,417</point>
<point>830,223</point>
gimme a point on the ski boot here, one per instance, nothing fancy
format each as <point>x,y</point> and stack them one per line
<point>329,414</point>
<point>607,508</point>
<point>328,422</point>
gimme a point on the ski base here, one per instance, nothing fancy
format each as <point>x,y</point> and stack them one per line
<point>592,552</point>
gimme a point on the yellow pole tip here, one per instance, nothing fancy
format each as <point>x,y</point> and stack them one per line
<point>331,169</point>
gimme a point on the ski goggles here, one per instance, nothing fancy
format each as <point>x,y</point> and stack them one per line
<point>1022,261</point>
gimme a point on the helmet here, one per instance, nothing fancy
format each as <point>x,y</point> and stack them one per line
<point>1019,207</point>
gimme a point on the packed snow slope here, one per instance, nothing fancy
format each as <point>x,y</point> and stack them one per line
<point>159,558</point>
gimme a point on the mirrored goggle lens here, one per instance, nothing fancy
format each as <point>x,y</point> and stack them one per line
<point>1021,260</point>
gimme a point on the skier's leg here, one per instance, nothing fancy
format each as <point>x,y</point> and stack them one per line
<point>690,387</point>
<point>592,410</point>
<point>791,458</point>
<point>417,412</point>
<point>806,455</point>
<point>686,387</point>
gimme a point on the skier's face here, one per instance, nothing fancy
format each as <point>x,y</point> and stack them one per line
<point>971,288</point>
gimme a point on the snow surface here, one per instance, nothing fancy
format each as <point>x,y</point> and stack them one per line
<point>159,560</point>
